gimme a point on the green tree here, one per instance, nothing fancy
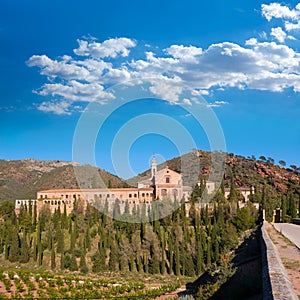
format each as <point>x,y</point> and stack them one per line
<point>283,208</point>
<point>293,207</point>
<point>14,250</point>
<point>177,258</point>
<point>25,251</point>
<point>73,264</point>
<point>153,262</point>
<point>87,239</point>
<point>282,163</point>
<point>82,264</point>
<point>53,263</point>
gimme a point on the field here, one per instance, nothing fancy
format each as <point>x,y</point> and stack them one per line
<point>18,283</point>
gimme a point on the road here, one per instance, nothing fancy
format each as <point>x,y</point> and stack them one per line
<point>291,231</point>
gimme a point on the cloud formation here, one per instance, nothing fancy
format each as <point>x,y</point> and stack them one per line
<point>96,66</point>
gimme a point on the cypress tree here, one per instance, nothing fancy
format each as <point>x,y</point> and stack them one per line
<point>62,261</point>
<point>293,207</point>
<point>14,250</point>
<point>153,262</point>
<point>283,208</point>
<point>87,239</point>
<point>82,263</point>
<point>116,210</point>
<point>39,245</point>
<point>53,263</point>
<point>34,216</point>
<point>60,241</point>
<point>34,249</point>
<point>24,255</point>
<point>98,259</point>
<point>177,258</point>
<point>64,218</point>
<point>199,256</point>
<point>73,264</point>
<point>171,258</point>
<point>113,257</point>
<point>232,194</point>
<point>163,246</point>
<point>208,253</point>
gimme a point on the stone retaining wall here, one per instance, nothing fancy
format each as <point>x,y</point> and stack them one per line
<point>276,284</point>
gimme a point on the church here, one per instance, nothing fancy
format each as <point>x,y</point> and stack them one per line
<point>162,184</point>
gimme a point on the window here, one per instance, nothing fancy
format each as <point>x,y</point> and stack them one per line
<point>130,195</point>
<point>175,192</point>
<point>107,195</point>
<point>167,179</point>
<point>135,195</point>
<point>67,196</point>
<point>164,192</point>
<point>143,194</point>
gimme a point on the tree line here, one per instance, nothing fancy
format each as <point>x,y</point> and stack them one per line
<point>186,242</point>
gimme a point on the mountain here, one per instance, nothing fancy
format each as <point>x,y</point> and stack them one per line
<point>21,179</point>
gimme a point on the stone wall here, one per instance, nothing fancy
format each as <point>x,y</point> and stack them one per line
<point>276,284</point>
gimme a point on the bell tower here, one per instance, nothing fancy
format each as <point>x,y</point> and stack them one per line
<point>153,168</point>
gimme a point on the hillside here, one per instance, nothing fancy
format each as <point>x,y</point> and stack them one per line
<point>21,179</point>
<point>246,171</point>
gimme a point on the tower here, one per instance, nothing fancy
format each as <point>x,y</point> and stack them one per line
<point>153,168</point>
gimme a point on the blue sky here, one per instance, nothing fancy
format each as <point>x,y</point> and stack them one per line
<point>238,59</point>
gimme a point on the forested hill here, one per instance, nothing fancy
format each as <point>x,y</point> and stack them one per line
<point>21,179</point>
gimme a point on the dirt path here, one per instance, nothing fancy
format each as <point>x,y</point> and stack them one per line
<point>289,254</point>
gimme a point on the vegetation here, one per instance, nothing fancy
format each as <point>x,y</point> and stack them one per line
<point>100,252</point>
<point>185,243</point>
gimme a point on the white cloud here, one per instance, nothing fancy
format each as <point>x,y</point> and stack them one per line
<point>276,10</point>
<point>84,78</point>
<point>188,54</point>
<point>279,34</point>
<point>76,91</point>
<point>217,104</point>
<point>58,107</point>
<point>53,68</point>
<point>187,101</point>
<point>109,48</point>
<point>292,26</point>
<point>166,88</point>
